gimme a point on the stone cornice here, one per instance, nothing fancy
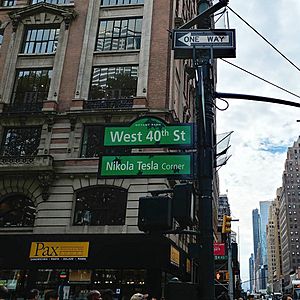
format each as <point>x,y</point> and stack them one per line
<point>67,14</point>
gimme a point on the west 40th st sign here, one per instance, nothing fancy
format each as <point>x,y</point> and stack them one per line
<point>149,132</point>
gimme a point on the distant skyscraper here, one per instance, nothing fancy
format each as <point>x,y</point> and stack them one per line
<point>251,272</point>
<point>264,214</point>
<point>256,233</point>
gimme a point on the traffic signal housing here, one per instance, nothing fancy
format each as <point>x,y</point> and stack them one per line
<point>183,204</point>
<point>226,226</point>
<point>155,213</point>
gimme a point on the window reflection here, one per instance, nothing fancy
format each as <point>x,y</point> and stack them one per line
<point>114,82</point>
<point>20,141</point>
<point>102,205</point>
<point>119,34</point>
<point>17,211</point>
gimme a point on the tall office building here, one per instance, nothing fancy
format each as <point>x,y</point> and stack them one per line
<point>251,273</point>
<point>289,213</point>
<point>264,215</point>
<point>260,246</point>
<point>271,236</point>
<point>278,254</point>
<point>274,246</point>
<point>256,234</point>
<point>256,247</point>
<point>68,69</point>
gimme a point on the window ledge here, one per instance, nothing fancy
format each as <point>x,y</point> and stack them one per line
<point>124,6</point>
<point>117,52</point>
<point>16,229</point>
<point>36,54</point>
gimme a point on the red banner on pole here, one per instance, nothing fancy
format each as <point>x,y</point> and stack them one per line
<point>219,249</point>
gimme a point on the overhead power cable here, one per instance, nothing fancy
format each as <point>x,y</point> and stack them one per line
<point>264,39</point>
<point>252,74</point>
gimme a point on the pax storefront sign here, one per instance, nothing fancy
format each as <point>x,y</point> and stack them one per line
<point>57,251</point>
<point>149,132</point>
<point>147,165</point>
<point>222,42</point>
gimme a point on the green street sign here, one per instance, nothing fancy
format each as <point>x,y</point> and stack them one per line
<point>221,257</point>
<point>148,165</point>
<point>149,132</point>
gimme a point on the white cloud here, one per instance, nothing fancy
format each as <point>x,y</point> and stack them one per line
<point>252,174</point>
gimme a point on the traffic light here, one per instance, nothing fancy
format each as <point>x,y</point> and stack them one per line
<point>155,213</point>
<point>226,226</point>
<point>183,204</point>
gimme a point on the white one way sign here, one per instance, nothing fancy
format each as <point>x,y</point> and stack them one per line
<point>191,39</point>
<point>221,41</point>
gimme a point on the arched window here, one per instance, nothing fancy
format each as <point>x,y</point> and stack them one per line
<point>101,205</point>
<point>17,210</point>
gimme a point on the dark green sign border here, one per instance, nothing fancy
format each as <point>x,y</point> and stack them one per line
<point>171,176</point>
<point>158,145</point>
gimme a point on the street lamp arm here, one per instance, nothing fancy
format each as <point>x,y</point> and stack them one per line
<point>256,98</point>
<point>205,14</point>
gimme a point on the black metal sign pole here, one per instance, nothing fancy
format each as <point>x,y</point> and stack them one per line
<point>205,127</point>
<point>185,42</point>
<point>206,133</point>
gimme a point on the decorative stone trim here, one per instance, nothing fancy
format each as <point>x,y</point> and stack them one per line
<point>25,163</point>
<point>45,179</point>
<point>45,13</point>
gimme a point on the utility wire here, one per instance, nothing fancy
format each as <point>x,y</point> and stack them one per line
<point>277,86</point>
<point>264,39</point>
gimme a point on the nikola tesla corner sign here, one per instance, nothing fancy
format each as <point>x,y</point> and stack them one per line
<point>148,132</point>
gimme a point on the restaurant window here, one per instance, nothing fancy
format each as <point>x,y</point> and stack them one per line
<point>119,34</point>
<point>20,141</point>
<point>114,82</point>
<point>121,2</point>
<point>8,3</point>
<point>17,211</point>
<point>100,205</point>
<point>51,1</point>
<point>40,40</point>
<point>31,89</point>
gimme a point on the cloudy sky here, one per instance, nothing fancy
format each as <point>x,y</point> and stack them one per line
<point>262,131</point>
